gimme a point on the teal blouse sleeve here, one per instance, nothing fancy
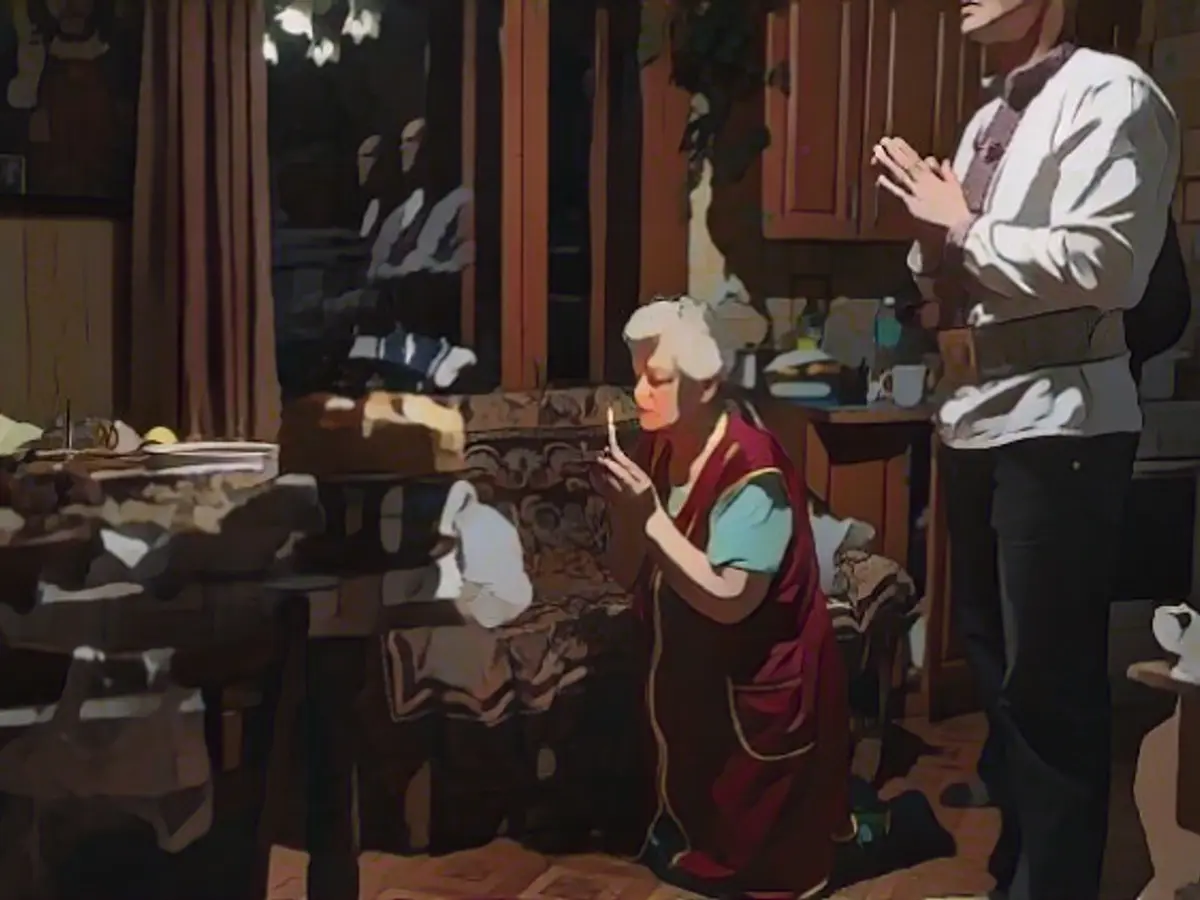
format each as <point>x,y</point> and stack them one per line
<point>751,528</point>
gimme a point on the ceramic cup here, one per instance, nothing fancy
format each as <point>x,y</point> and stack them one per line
<point>904,385</point>
<point>1177,630</point>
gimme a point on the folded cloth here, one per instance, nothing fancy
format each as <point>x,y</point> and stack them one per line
<point>832,537</point>
<point>495,588</point>
<point>14,435</point>
<point>477,563</point>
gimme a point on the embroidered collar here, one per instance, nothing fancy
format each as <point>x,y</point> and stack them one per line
<point>1020,86</point>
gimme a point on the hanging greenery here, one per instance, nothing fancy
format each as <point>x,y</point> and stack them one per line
<point>717,56</point>
<point>322,23</point>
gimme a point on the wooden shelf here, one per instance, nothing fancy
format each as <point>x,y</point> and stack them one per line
<point>1157,674</point>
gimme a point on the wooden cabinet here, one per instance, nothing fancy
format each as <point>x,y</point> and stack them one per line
<point>855,460</point>
<point>859,70</point>
<point>923,84</point>
<point>856,71</point>
<point>812,172</point>
<point>1111,25</point>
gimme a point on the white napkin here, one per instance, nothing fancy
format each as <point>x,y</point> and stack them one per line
<point>495,586</point>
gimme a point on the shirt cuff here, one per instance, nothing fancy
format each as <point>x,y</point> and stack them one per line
<point>956,237</point>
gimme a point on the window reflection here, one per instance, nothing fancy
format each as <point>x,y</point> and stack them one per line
<point>383,227</point>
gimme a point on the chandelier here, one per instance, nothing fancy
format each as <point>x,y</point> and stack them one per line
<point>322,23</point>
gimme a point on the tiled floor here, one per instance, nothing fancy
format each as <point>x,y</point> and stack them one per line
<point>504,869</point>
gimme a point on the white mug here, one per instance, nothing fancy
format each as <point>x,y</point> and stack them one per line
<point>1177,630</point>
<point>904,385</point>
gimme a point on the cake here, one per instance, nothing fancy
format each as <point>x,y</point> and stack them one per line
<point>401,435</point>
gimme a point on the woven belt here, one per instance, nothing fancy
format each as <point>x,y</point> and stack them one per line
<point>1002,349</point>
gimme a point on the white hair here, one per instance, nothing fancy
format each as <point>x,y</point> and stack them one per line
<point>685,334</point>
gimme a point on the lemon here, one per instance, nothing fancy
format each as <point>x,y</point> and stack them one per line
<point>161,435</point>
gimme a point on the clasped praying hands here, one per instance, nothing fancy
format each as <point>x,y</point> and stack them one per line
<point>929,189</point>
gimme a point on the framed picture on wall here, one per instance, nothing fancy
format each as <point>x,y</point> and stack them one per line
<point>69,74</point>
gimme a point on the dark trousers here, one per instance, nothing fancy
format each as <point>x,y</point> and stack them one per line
<point>1034,531</point>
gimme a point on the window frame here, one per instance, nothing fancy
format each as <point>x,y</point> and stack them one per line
<point>638,177</point>
<point>662,215</point>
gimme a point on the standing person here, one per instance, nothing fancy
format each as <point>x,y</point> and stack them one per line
<point>1034,241</point>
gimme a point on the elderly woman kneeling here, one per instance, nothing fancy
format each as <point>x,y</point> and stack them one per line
<point>745,691</point>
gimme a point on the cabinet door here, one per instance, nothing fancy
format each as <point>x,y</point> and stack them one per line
<point>923,83</point>
<point>814,112</point>
<point>1109,25</point>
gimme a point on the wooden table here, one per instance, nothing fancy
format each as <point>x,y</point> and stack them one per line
<point>194,550</point>
<point>1157,674</point>
<point>856,459</point>
<point>319,658</point>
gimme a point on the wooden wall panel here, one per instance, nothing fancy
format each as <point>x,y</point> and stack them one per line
<point>59,279</point>
<point>664,189</point>
<point>598,190</point>
<point>525,186</point>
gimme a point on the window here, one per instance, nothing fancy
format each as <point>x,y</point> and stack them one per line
<point>386,183</point>
<point>471,170</point>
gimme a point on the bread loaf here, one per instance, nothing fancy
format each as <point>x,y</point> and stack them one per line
<point>404,435</point>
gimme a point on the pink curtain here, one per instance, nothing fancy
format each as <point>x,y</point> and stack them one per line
<point>202,341</point>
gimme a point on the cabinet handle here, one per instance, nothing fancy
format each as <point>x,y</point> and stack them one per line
<point>854,204</point>
<point>875,206</point>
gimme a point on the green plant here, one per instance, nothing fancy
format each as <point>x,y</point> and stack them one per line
<point>717,56</point>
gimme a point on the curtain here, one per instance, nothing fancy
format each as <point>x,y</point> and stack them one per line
<point>202,339</point>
